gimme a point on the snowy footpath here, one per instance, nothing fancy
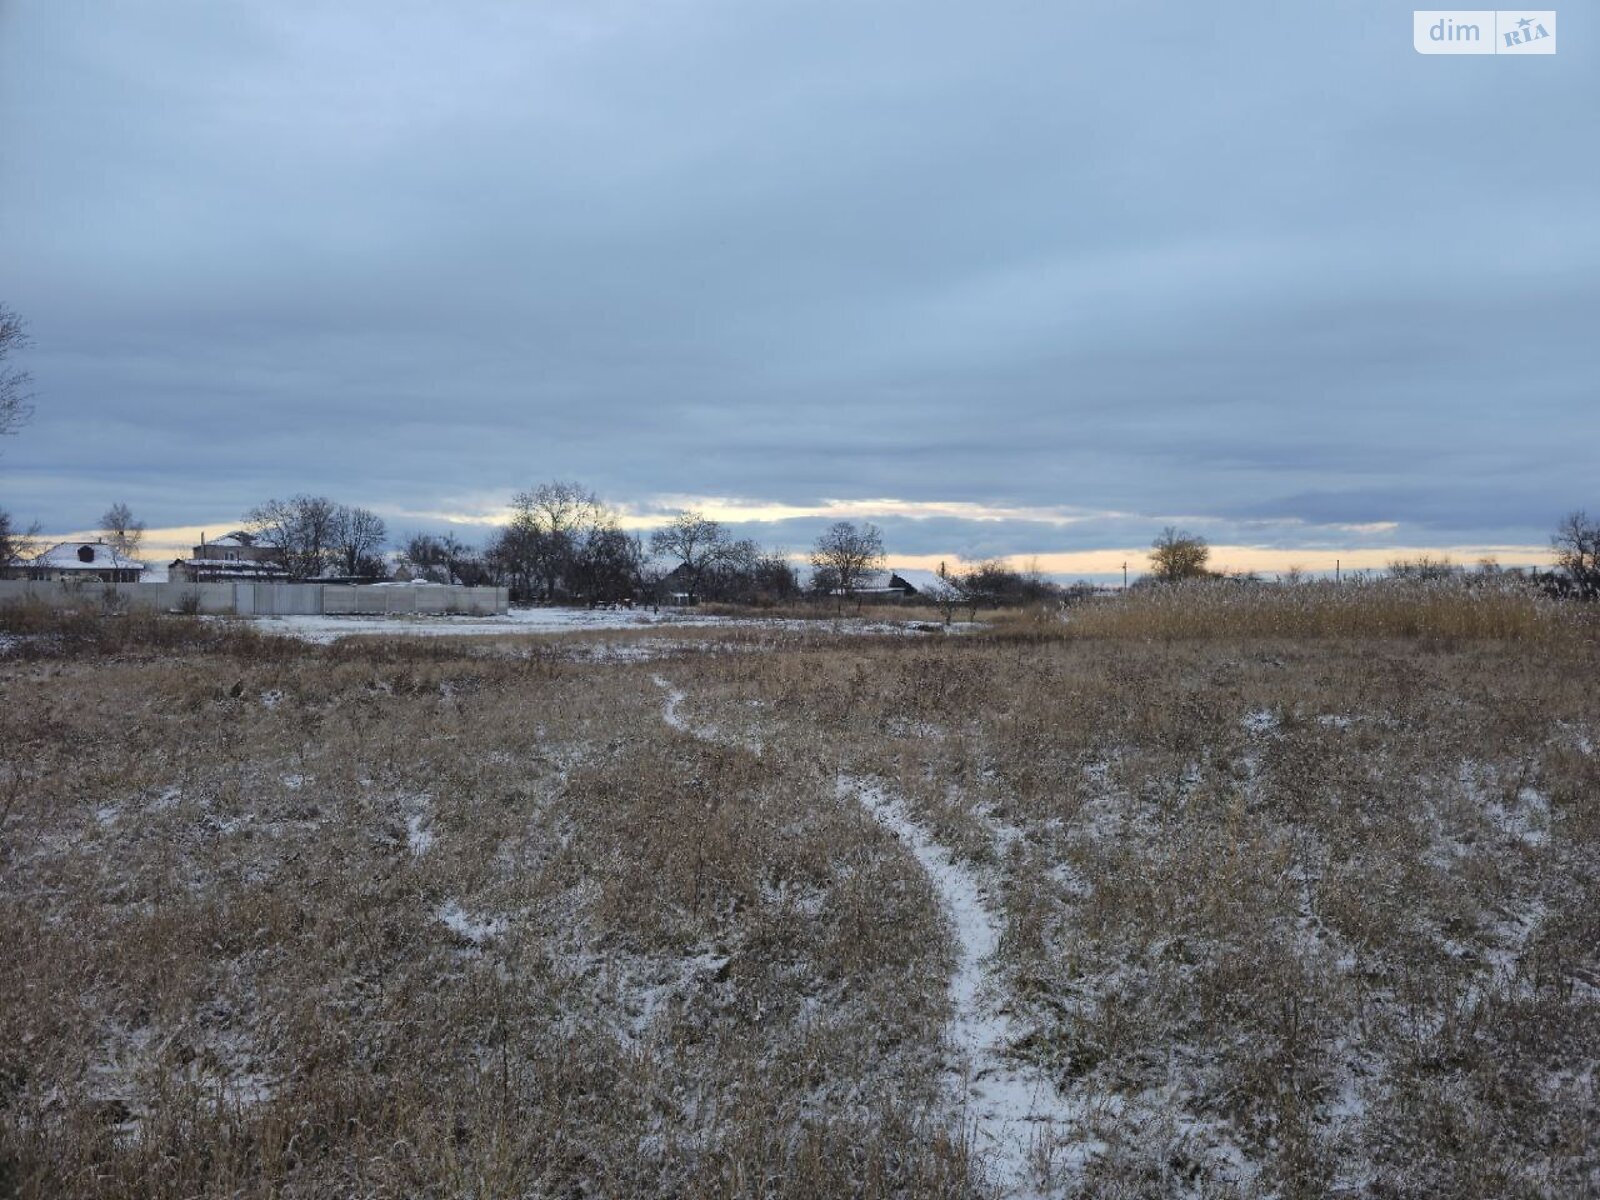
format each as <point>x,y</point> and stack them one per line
<point>1017,1123</point>
<point>1013,1115</point>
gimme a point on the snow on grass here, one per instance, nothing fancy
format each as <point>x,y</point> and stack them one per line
<point>671,714</point>
<point>323,630</point>
<point>1260,721</point>
<point>418,836</point>
<point>669,708</point>
<point>665,983</point>
<point>1011,1114</point>
<point>467,927</point>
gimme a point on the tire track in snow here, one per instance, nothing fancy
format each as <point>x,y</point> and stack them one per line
<point>1013,1115</point>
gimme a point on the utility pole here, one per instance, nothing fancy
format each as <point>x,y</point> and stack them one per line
<point>1337,577</point>
<point>1124,575</point>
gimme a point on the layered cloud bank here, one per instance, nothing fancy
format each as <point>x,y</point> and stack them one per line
<point>1050,279</point>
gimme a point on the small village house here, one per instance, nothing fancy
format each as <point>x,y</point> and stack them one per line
<point>234,556</point>
<point>900,584</point>
<point>84,562</point>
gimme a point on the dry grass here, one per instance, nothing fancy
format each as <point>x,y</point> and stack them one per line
<point>1290,916</point>
<point>826,610</point>
<point>1506,609</point>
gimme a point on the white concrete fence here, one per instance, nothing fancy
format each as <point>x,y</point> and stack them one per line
<point>249,599</point>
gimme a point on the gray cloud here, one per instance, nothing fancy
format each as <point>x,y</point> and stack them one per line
<point>1275,273</point>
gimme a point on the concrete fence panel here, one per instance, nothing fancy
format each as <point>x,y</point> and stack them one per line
<point>261,599</point>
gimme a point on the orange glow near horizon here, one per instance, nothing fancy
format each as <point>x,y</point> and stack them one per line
<point>1263,560</point>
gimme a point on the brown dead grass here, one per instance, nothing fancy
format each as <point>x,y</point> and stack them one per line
<point>1474,608</point>
<point>1294,916</point>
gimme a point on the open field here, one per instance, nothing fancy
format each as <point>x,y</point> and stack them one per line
<point>1129,905</point>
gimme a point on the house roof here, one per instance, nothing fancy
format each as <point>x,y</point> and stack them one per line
<point>923,582</point>
<point>874,581</point>
<point>237,538</point>
<point>69,556</point>
<point>920,582</point>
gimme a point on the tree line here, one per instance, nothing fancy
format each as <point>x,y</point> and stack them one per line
<point>563,544</point>
<point>1178,555</point>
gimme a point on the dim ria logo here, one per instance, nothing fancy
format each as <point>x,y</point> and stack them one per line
<point>1483,31</point>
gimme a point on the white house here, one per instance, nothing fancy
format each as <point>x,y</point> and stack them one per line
<point>92,561</point>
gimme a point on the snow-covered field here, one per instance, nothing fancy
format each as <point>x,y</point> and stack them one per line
<point>323,630</point>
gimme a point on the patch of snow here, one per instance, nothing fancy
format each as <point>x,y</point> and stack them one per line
<point>1527,821</point>
<point>1260,721</point>
<point>669,709</point>
<point>646,1001</point>
<point>464,925</point>
<point>706,733</point>
<point>323,630</point>
<point>418,836</point>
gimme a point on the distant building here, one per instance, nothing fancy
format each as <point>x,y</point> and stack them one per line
<point>237,555</point>
<point>915,582</point>
<point>87,561</point>
<point>897,585</point>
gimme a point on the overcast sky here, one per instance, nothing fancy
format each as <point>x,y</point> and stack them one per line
<point>1006,278</point>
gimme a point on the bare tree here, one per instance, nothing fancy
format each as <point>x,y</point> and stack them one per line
<point>774,579</point>
<point>846,553</point>
<point>430,558</point>
<point>749,575</point>
<point>358,535</point>
<point>947,593</point>
<point>301,529</point>
<point>698,544</point>
<point>16,543</point>
<point>1576,543</point>
<point>514,555</point>
<point>550,528</point>
<point>14,407</point>
<point>607,566</point>
<point>121,531</point>
<point>1177,554</point>
<point>445,558</point>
